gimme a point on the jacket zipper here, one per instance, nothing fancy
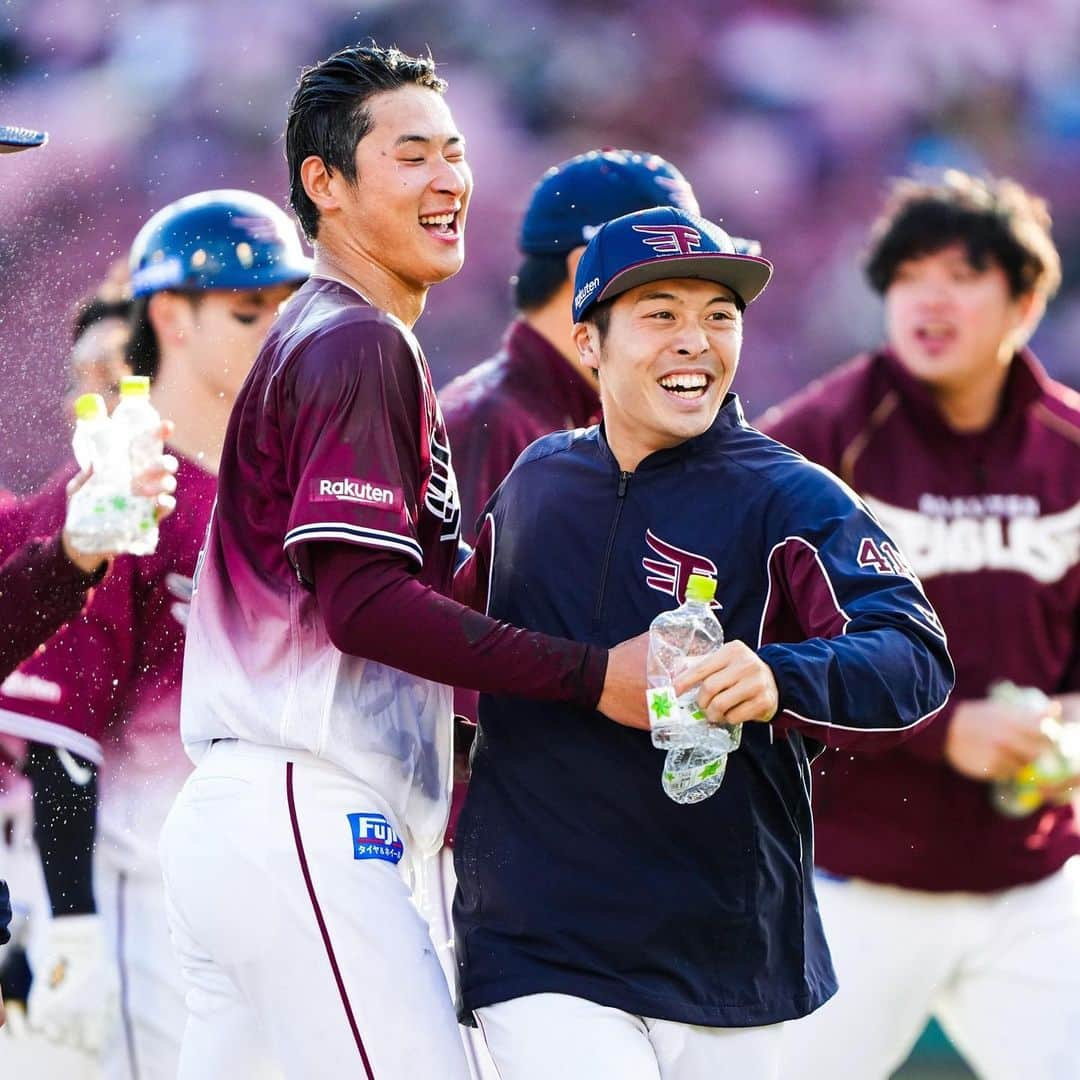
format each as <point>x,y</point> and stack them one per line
<point>624,483</point>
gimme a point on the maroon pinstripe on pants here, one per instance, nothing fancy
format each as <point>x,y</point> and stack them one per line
<point>368,1071</point>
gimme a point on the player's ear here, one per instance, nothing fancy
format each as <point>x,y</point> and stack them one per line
<point>1029,311</point>
<point>320,183</point>
<point>169,314</point>
<point>587,341</point>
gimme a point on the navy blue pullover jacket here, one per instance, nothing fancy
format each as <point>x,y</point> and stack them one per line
<point>576,873</point>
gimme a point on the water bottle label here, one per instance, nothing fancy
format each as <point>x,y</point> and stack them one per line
<point>665,709</point>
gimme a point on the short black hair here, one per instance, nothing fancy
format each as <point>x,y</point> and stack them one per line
<point>996,220</point>
<point>538,279</point>
<point>599,315</point>
<point>329,115</point>
<point>95,309</point>
<point>142,352</point>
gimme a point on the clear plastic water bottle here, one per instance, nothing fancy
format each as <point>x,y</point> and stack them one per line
<point>677,638</point>
<point>693,773</point>
<point>92,431</point>
<point>138,425</point>
<point>99,512</point>
<point>1059,763</point>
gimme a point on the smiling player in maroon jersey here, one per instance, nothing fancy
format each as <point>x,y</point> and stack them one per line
<point>969,454</point>
<point>322,642</point>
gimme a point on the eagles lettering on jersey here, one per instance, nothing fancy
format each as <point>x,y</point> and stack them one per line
<point>944,538</point>
<point>990,522</point>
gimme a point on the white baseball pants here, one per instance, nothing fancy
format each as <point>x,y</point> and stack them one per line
<point>559,1037</point>
<point>302,950</point>
<point>1001,972</point>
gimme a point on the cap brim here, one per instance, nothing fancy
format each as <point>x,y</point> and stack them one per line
<point>14,139</point>
<point>745,275</point>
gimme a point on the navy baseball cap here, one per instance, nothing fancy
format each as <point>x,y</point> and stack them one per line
<point>13,139</point>
<point>574,199</point>
<point>663,242</point>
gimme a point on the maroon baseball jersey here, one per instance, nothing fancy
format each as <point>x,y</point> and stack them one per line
<point>493,412</point>
<point>990,522</point>
<point>107,686</point>
<point>336,436</point>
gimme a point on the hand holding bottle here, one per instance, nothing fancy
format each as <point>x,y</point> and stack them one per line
<point>98,525</point>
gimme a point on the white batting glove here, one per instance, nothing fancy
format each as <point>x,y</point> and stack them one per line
<point>74,998</point>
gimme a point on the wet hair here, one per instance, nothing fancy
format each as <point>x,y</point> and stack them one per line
<point>329,114</point>
<point>997,221</point>
<point>142,352</point>
<point>94,309</point>
<point>538,279</point>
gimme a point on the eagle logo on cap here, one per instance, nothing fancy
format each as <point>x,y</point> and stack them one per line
<point>670,239</point>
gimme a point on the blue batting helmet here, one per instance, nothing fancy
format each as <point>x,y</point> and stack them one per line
<point>217,240</point>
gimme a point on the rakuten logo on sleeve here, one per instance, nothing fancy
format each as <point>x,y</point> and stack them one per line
<point>363,492</point>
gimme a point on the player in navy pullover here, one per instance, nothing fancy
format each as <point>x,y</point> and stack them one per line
<point>644,931</point>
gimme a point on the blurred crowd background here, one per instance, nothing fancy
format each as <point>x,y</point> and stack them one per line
<point>787,115</point>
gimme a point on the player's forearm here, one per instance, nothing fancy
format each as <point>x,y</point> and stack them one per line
<point>40,590</point>
<point>870,689</point>
<point>373,607</point>
<point>65,825</point>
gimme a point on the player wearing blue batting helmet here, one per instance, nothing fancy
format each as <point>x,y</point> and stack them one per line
<point>236,245</point>
<point>209,274</point>
<point>217,240</point>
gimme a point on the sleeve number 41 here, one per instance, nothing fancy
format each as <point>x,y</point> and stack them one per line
<point>882,557</point>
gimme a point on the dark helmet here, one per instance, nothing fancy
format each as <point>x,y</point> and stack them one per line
<point>572,200</point>
<point>217,240</point>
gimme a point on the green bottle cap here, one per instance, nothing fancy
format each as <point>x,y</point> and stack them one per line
<point>90,407</point>
<point>135,386</point>
<point>701,588</point>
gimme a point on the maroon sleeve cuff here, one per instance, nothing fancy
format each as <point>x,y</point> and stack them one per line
<point>594,671</point>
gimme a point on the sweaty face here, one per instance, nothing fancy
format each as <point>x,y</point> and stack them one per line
<point>406,212</point>
<point>951,324</point>
<point>665,364</point>
<point>223,331</point>
<point>97,363</point>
